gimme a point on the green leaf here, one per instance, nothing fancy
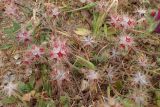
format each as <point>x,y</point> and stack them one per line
<point>47,87</point>
<point>98,20</point>
<point>8,100</point>
<point>86,7</point>
<point>46,83</point>
<point>119,85</point>
<point>152,27</point>
<point>5,46</point>
<point>83,62</point>
<point>14,28</point>
<point>51,104</point>
<point>64,100</point>
<point>44,36</point>
<point>24,88</point>
<point>32,80</point>
<point>152,23</point>
<point>44,103</point>
<point>109,30</point>
<point>128,103</point>
<point>157,93</point>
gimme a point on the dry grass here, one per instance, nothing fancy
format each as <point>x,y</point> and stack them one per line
<point>96,68</point>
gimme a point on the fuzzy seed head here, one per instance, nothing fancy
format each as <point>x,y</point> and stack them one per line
<point>126,41</point>
<point>10,88</point>
<point>88,41</point>
<point>140,79</point>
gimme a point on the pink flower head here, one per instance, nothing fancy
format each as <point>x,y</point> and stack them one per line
<point>123,22</point>
<point>127,22</point>
<point>126,41</point>
<point>8,1</point>
<point>59,49</point>
<point>11,10</point>
<point>115,21</point>
<point>156,14</point>
<point>36,51</point>
<point>27,58</point>
<point>23,36</point>
<point>101,5</point>
<point>33,54</point>
<point>59,75</point>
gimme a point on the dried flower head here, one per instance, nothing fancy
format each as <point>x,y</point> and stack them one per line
<point>11,10</point>
<point>55,11</point>
<point>140,79</point>
<point>140,97</point>
<point>59,50</point>
<point>142,60</point>
<point>27,58</point>
<point>10,88</point>
<point>102,5</point>
<point>114,53</point>
<point>111,102</point>
<point>52,10</point>
<point>8,77</point>
<point>110,73</point>
<point>126,41</point>
<point>92,76</point>
<point>59,75</point>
